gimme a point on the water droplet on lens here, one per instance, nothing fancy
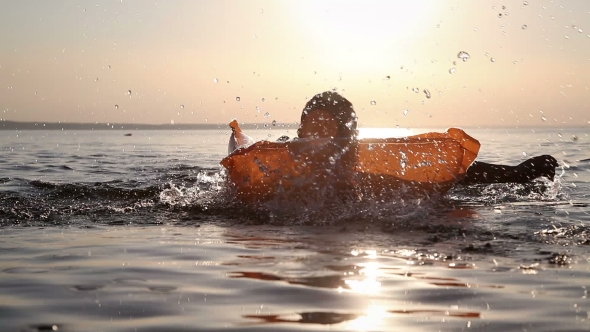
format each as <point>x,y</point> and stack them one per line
<point>266,115</point>
<point>524,154</point>
<point>263,100</point>
<point>543,118</point>
<point>452,70</point>
<point>567,37</point>
<point>493,59</point>
<point>463,56</point>
<point>274,122</point>
<point>503,7</point>
<point>182,106</point>
<point>524,27</point>
<point>117,107</point>
<point>405,112</point>
<point>525,3</point>
<point>427,93</point>
<point>237,98</point>
<point>129,92</point>
<point>416,90</point>
<point>215,80</point>
<point>373,102</point>
<point>500,15</point>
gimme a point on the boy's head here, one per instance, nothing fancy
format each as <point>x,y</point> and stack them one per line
<point>327,115</point>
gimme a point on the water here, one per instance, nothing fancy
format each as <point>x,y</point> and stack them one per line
<point>102,232</point>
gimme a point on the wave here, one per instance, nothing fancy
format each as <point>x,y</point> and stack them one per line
<point>490,194</point>
<point>55,168</point>
<point>38,202</point>
<point>186,194</point>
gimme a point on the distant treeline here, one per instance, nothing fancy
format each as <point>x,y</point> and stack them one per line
<point>15,125</point>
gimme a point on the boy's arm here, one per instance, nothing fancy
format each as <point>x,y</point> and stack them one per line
<point>482,173</point>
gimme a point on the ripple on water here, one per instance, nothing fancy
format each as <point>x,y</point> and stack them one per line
<point>45,327</point>
<point>86,288</point>
<point>162,289</point>
<point>25,270</point>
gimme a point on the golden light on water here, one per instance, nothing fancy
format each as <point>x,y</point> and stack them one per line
<point>371,254</point>
<point>369,272</point>
<point>384,132</point>
<point>370,321</point>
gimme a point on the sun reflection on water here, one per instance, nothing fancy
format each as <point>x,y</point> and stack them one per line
<point>370,321</point>
<point>369,271</point>
<point>384,132</point>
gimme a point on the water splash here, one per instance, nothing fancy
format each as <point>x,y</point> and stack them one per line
<point>464,56</point>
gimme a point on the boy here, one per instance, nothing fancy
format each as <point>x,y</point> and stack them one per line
<point>329,115</point>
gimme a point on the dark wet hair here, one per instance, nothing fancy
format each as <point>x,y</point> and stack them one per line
<point>339,107</point>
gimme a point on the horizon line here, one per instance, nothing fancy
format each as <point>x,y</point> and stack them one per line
<point>27,125</point>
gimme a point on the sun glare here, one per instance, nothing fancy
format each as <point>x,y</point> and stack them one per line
<point>384,132</point>
<point>368,32</point>
<point>369,284</point>
<point>370,321</point>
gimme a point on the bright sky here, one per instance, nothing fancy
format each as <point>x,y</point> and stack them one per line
<point>189,61</point>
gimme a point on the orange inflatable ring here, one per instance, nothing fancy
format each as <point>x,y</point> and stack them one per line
<point>424,164</point>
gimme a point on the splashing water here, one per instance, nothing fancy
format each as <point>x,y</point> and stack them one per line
<point>464,56</point>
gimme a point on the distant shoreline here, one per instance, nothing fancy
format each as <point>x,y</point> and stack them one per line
<point>18,125</point>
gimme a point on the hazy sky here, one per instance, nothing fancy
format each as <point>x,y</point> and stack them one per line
<point>189,61</point>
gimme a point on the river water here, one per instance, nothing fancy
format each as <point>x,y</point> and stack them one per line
<point>106,232</point>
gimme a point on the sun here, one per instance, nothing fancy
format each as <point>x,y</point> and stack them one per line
<point>358,33</point>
